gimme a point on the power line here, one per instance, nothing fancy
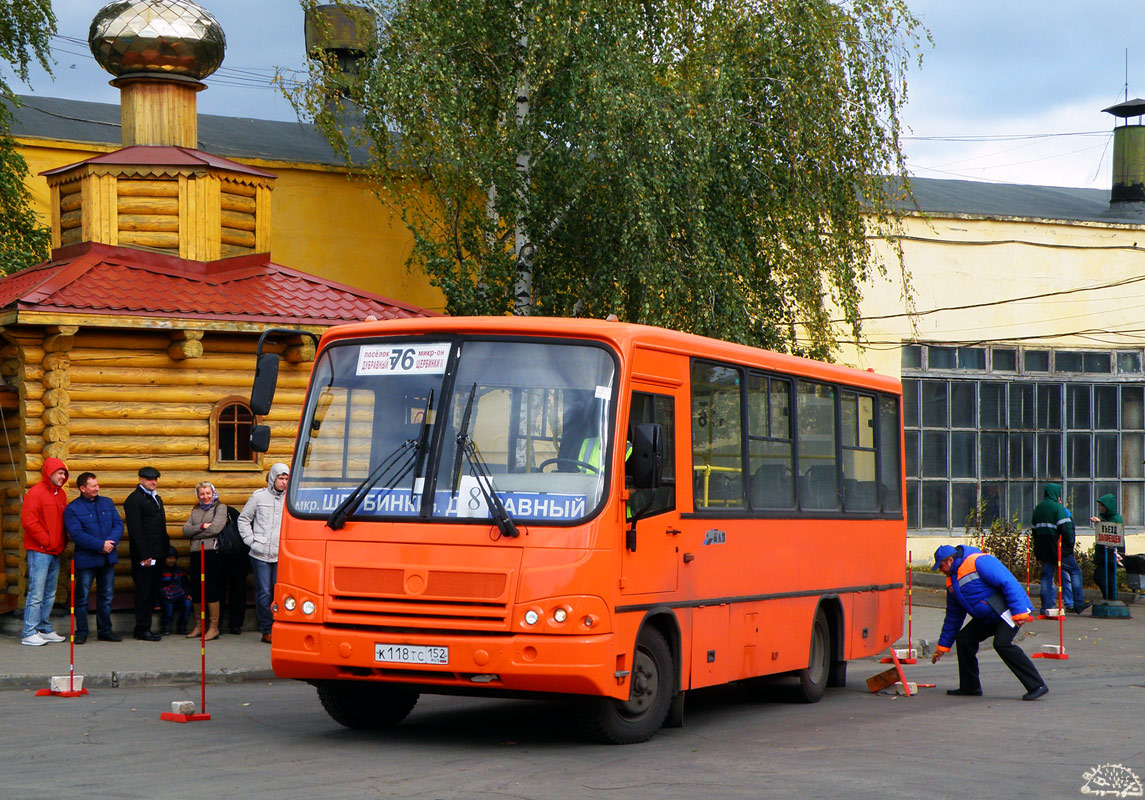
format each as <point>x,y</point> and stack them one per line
<point>1001,137</point>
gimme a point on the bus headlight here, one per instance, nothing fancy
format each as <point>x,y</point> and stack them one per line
<point>288,602</point>
<point>567,615</point>
<point>308,607</point>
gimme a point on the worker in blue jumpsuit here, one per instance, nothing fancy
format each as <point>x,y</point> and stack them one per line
<point>979,584</point>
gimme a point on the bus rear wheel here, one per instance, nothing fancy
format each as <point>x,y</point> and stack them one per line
<point>649,696</point>
<point>366,706</point>
<point>813,679</point>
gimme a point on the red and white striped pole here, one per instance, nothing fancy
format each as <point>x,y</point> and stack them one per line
<point>203,631</point>
<point>71,690</point>
<point>909,601</point>
<point>180,716</point>
<point>1050,650</point>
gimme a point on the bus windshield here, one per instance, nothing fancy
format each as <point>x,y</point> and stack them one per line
<point>452,429</point>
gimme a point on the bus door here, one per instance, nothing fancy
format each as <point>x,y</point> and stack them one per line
<point>651,557</point>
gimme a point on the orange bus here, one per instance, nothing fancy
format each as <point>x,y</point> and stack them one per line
<point>518,506</point>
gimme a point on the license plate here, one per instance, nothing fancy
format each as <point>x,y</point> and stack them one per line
<point>410,654</point>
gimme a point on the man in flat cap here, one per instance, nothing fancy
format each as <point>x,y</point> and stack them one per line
<point>147,529</point>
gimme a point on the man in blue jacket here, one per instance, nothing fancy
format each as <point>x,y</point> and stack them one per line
<point>979,584</point>
<point>94,525</point>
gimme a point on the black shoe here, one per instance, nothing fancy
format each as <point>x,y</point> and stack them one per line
<point>965,692</point>
<point>80,638</point>
<point>110,636</point>
<point>236,631</point>
<point>1034,694</point>
<point>1080,608</point>
<point>148,636</point>
<point>166,631</point>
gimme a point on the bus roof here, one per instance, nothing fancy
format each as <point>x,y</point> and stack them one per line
<point>623,336</point>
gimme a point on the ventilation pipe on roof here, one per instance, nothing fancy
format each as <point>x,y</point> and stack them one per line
<point>341,35</point>
<point>1128,157</point>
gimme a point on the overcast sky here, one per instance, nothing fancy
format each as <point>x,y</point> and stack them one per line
<point>1011,91</point>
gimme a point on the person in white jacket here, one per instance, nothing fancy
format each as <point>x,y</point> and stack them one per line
<point>259,523</point>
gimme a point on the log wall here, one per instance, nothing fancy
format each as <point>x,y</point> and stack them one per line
<point>110,402</point>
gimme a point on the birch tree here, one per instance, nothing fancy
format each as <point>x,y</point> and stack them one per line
<point>26,28</point>
<point>715,166</point>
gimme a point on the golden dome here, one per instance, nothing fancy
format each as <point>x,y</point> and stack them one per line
<point>157,37</point>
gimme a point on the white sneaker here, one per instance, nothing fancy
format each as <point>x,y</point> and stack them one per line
<point>35,640</point>
<point>52,636</point>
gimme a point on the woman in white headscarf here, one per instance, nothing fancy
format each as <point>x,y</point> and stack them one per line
<point>202,529</point>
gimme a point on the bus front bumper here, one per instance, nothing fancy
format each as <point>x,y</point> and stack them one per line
<point>519,663</point>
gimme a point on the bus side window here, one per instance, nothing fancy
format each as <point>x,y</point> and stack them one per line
<point>818,468</point>
<point>717,437</point>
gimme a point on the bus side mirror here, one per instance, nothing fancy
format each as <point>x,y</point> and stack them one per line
<point>265,381</point>
<point>647,456</point>
<point>260,438</point>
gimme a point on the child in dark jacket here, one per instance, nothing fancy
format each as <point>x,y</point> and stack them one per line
<point>174,595</point>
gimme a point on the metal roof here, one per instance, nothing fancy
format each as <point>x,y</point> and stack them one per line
<point>231,137</point>
<point>1018,201</point>
<point>98,279</point>
<point>241,137</point>
<point>164,156</point>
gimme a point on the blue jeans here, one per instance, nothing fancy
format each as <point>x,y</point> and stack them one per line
<point>265,575</point>
<point>43,572</point>
<point>176,610</point>
<point>104,578</point>
<point>1049,579</point>
<point>1073,581</point>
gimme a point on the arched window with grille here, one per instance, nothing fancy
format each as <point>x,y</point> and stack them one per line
<point>231,423</point>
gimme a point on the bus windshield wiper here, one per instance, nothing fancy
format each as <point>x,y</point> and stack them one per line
<point>394,466</point>
<point>480,471</point>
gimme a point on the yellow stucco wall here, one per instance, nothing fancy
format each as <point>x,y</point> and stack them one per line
<point>964,263</point>
<point>322,222</point>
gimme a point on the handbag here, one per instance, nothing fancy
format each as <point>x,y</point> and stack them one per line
<point>229,543</point>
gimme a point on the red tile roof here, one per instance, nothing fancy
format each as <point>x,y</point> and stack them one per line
<point>99,279</point>
<point>164,156</point>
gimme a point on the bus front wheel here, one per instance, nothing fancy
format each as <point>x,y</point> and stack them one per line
<point>649,696</point>
<point>813,680</point>
<point>366,706</point>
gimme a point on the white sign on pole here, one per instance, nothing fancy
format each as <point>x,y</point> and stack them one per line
<point>1110,534</point>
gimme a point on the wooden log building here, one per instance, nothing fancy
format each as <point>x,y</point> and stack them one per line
<point>135,344</point>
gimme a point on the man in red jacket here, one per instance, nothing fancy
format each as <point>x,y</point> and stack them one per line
<point>42,516</point>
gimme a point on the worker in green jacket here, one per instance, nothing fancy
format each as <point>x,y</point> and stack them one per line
<point>1104,559</point>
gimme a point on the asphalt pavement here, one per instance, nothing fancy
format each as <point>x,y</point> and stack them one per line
<point>1109,642</point>
<point>175,659</point>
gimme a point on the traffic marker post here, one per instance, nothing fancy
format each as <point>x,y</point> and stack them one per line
<point>70,685</point>
<point>184,710</point>
<point>1056,651</point>
<point>909,655</point>
<point>892,678</point>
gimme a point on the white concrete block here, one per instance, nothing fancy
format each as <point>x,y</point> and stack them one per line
<point>898,687</point>
<point>1055,649</point>
<point>62,683</point>
<point>183,706</point>
<point>1055,612</point>
<point>906,653</point>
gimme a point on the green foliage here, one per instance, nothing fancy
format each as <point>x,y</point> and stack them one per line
<point>711,166</point>
<point>1003,538</point>
<point>26,29</point>
<point>23,241</point>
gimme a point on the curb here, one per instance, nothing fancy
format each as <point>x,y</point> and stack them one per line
<point>936,580</point>
<point>120,679</point>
